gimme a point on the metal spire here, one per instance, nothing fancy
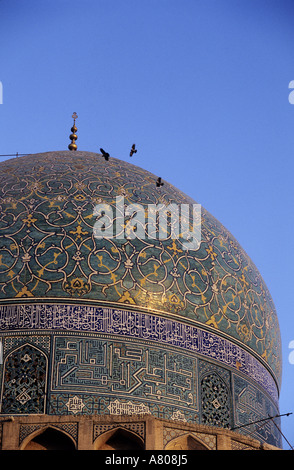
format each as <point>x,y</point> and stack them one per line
<point>73,137</point>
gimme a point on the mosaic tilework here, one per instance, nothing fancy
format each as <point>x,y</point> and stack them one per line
<point>60,404</point>
<point>252,405</point>
<point>171,433</point>
<point>47,249</point>
<point>216,400</point>
<point>102,374</point>
<point>124,370</point>
<point>136,428</point>
<point>41,342</point>
<point>121,377</point>
<point>126,326</point>
<point>69,428</point>
<point>24,383</point>
<point>136,325</point>
<point>240,446</point>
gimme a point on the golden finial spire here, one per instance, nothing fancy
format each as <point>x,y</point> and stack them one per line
<point>73,137</point>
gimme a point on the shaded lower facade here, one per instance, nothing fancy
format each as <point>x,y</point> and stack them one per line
<point>44,432</point>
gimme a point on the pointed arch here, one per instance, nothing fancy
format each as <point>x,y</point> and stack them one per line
<point>24,381</point>
<point>48,438</point>
<point>185,442</point>
<point>118,439</point>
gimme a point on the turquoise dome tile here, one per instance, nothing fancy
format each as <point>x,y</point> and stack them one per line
<point>48,251</point>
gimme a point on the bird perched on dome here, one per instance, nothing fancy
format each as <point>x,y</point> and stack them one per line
<point>133,150</point>
<point>159,182</point>
<point>105,154</point>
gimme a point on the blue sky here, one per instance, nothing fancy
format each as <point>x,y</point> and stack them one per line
<point>201,87</point>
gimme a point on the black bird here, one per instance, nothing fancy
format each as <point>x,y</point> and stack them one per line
<point>133,150</point>
<point>159,182</point>
<point>105,154</point>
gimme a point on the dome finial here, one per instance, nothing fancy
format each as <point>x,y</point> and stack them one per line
<point>73,137</point>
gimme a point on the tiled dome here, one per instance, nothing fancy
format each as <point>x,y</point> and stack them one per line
<point>54,274</point>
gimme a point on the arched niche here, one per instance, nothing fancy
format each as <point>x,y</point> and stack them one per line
<point>215,400</point>
<point>48,438</point>
<point>185,442</point>
<point>24,381</point>
<point>118,439</point>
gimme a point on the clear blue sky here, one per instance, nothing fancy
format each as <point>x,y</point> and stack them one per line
<point>201,87</point>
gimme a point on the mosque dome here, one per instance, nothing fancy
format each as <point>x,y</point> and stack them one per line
<point>123,324</point>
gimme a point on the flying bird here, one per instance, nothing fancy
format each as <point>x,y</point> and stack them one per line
<point>133,150</point>
<point>105,154</point>
<point>159,182</point>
